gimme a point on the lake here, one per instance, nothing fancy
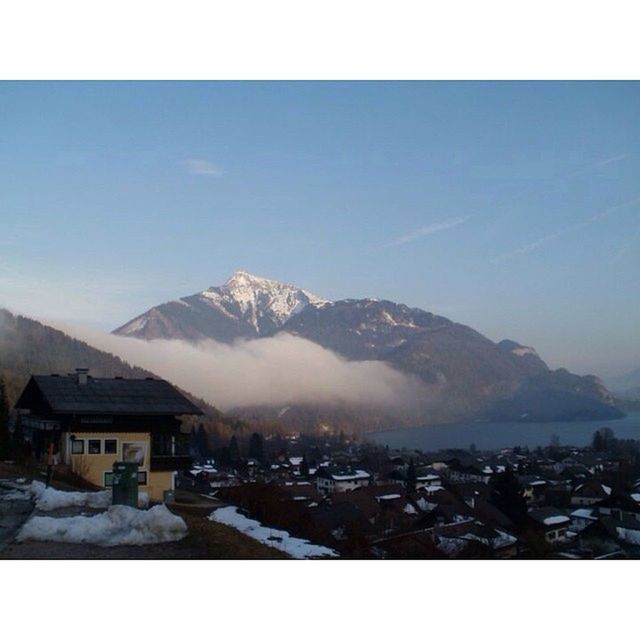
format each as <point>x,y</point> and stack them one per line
<point>496,435</point>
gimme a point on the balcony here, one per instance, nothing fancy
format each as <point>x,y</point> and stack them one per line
<point>170,452</point>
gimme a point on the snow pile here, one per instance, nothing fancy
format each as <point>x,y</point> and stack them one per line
<point>50,499</point>
<point>631,536</point>
<point>281,540</point>
<point>119,525</point>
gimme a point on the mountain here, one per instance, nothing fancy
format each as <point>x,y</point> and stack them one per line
<point>626,386</point>
<point>468,375</point>
<point>245,306</point>
<point>465,375</point>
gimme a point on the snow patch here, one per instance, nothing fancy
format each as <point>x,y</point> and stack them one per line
<point>524,351</point>
<point>50,499</point>
<point>281,540</point>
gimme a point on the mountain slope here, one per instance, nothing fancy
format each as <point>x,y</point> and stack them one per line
<point>28,347</point>
<point>244,307</point>
<point>466,375</point>
<point>626,386</point>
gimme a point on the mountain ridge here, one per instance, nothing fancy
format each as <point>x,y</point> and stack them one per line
<point>245,306</point>
<point>466,375</point>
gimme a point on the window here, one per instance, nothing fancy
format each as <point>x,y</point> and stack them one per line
<point>108,478</point>
<point>111,446</point>
<point>142,477</point>
<point>77,446</point>
<point>95,446</point>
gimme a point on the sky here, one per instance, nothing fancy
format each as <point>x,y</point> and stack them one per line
<point>511,207</point>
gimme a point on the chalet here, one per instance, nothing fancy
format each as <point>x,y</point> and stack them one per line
<point>329,479</point>
<point>533,488</point>
<point>619,507</point>
<point>426,478</point>
<point>590,492</point>
<point>93,422</point>
<point>598,541</point>
<point>552,522</point>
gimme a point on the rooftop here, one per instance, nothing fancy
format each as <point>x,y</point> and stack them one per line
<point>124,396</point>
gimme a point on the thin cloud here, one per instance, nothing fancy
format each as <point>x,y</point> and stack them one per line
<point>536,244</point>
<point>618,158</point>
<point>597,165</point>
<point>428,230</point>
<point>203,168</point>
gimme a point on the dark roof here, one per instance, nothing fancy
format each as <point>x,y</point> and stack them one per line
<point>124,396</point>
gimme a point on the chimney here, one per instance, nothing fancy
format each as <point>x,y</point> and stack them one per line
<point>82,374</point>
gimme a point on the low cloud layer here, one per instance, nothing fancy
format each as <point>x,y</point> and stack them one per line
<point>273,371</point>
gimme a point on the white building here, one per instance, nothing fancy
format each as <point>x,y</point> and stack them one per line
<point>330,480</point>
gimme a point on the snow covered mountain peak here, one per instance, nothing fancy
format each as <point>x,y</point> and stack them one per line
<point>264,303</point>
<point>245,306</point>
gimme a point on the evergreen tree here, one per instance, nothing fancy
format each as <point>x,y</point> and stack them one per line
<point>411,477</point>
<point>234,450</point>
<point>193,443</point>
<point>608,438</point>
<point>202,439</point>
<point>5,438</point>
<point>256,447</point>
<point>508,496</point>
<point>597,443</point>
<point>304,467</point>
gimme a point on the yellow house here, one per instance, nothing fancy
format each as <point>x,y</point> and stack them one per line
<point>94,422</point>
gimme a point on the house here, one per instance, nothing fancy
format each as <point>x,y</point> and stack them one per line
<point>590,492</point>
<point>552,522</point>
<point>93,422</point>
<point>620,506</point>
<point>329,479</point>
<point>455,538</point>
<point>582,518</point>
<point>476,471</point>
<point>599,541</point>
<point>426,478</point>
<point>533,488</point>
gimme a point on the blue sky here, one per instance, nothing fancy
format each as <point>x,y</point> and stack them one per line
<point>511,207</point>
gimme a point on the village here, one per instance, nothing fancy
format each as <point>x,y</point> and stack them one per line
<point>299,495</point>
<point>367,501</point>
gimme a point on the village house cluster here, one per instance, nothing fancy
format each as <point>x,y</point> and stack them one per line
<point>369,501</point>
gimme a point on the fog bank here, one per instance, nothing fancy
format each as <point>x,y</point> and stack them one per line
<point>275,371</point>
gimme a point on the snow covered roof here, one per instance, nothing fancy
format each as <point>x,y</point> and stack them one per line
<point>549,516</point>
<point>583,513</point>
<point>356,474</point>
